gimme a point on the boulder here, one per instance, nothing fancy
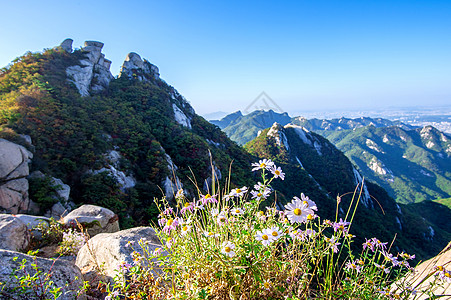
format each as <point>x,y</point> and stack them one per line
<point>63,274</point>
<point>14,196</point>
<point>66,45</point>
<point>423,270</point>
<point>109,250</point>
<point>94,218</point>
<point>14,169</point>
<point>14,234</point>
<point>33,221</point>
<point>13,160</point>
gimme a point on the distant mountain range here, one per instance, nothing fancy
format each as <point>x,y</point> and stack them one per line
<point>413,164</point>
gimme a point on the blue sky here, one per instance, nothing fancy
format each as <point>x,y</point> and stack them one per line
<point>306,55</point>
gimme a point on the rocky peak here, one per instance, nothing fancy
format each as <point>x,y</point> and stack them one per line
<point>277,132</point>
<point>135,67</point>
<point>93,73</point>
<point>66,45</point>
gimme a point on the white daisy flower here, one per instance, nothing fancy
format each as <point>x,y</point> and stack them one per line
<point>264,236</point>
<point>297,211</point>
<point>185,229</point>
<point>237,211</point>
<point>262,164</point>
<point>227,249</point>
<point>276,233</point>
<point>210,234</point>
<point>277,172</point>
<point>238,192</point>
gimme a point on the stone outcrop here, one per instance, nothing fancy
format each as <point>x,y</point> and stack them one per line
<point>135,67</point>
<point>66,45</point>
<point>64,275</point>
<point>14,169</point>
<point>94,218</point>
<point>109,250</point>
<point>14,234</point>
<point>422,282</point>
<point>93,74</point>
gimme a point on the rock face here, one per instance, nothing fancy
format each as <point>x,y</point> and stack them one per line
<point>62,192</point>
<point>33,221</point>
<point>66,45</point>
<point>94,73</point>
<point>14,169</point>
<point>428,267</point>
<point>110,250</point>
<point>135,67</point>
<point>94,218</point>
<point>64,275</point>
<point>14,234</point>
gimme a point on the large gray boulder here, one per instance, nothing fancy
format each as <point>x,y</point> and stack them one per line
<point>109,250</point>
<point>63,274</point>
<point>94,218</point>
<point>14,169</point>
<point>14,234</point>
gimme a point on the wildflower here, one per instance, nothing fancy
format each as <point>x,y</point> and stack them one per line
<point>261,215</point>
<point>307,234</point>
<point>306,200</point>
<point>275,233</point>
<point>262,164</point>
<point>353,265</point>
<point>188,206</point>
<point>389,257</point>
<point>369,244</point>
<point>214,212</point>
<point>162,221</point>
<point>157,251</point>
<point>179,194</point>
<point>237,211</point>
<point>198,206</point>
<point>222,218</point>
<point>129,243</point>
<point>112,295</point>
<point>124,266</point>
<point>260,186</point>
<point>333,243</point>
<point>227,249</point>
<point>169,243</point>
<point>297,211</point>
<point>379,244</point>
<point>341,226</point>
<point>260,195</point>
<point>266,285</point>
<point>205,199</point>
<point>277,172</point>
<point>407,256</point>
<point>238,192</point>
<point>168,211</point>
<point>185,229</point>
<point>328,223</point>
<point>265,236</point>
<point>171,224</point>
<point>210,234</point>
